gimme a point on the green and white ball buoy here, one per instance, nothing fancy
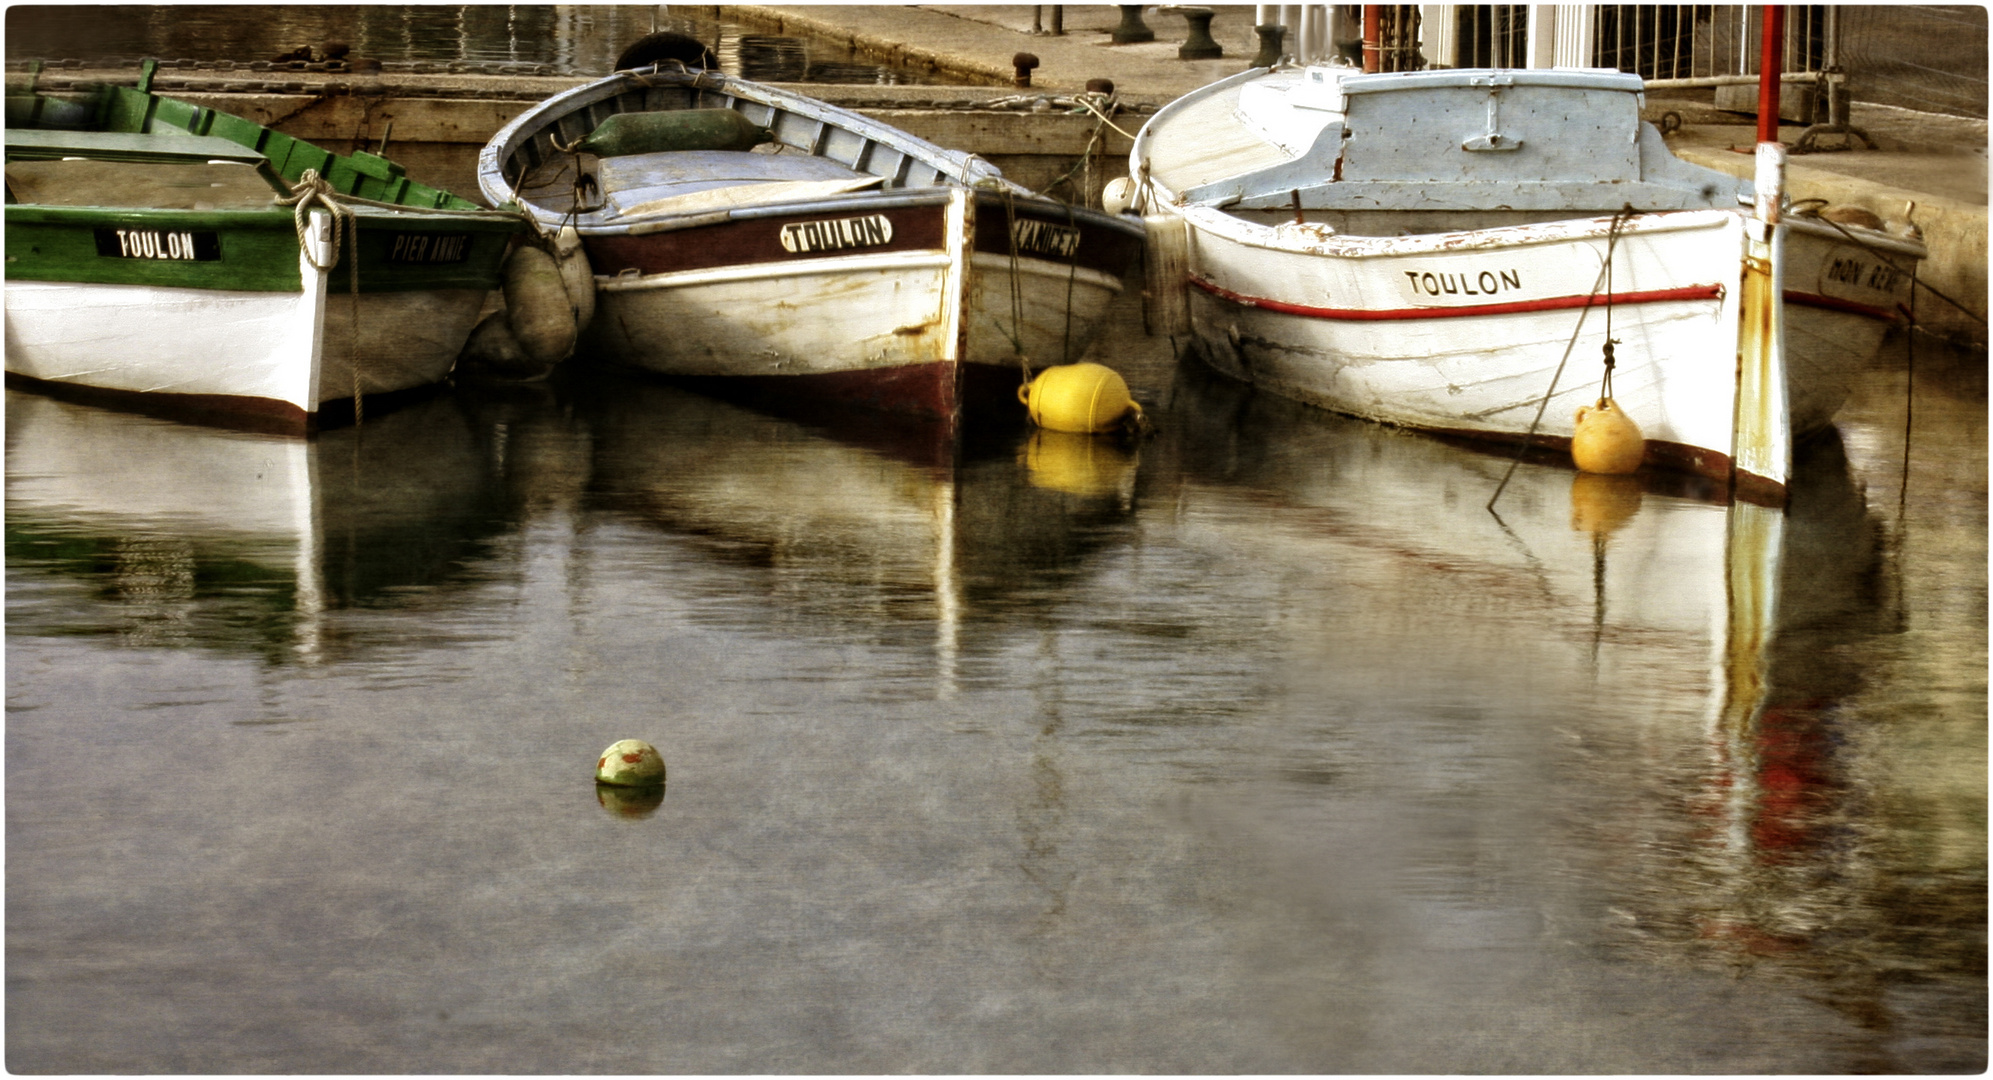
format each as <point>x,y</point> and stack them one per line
<point>630,763</point>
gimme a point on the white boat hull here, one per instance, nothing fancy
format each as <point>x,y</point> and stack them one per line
<point>274,347</point>
<point>1457,251</point>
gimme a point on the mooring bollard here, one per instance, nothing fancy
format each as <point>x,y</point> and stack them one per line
<point>1269,45</point>
<point>1023,63</point>
<point>1132,30</point>
<point>1199,45</point>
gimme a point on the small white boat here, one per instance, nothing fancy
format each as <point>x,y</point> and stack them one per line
<point>1454,250</point>
<point>168,257</point>
<point>742,233</point>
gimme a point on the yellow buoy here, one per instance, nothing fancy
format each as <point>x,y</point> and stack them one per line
<point>1607,440</point>
<point>1083,397</point>
<point>630,763</point>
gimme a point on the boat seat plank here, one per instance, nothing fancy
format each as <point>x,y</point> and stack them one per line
<point>169,186</point>
<point>162,146</point>
<point>640,179</point>
<point>1210,142</point>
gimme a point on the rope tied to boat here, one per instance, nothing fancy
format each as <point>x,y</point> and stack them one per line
<point>314,191</point>
<point>1601,284</point>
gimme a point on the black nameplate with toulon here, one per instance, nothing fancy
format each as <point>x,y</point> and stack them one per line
<point>170,245</point>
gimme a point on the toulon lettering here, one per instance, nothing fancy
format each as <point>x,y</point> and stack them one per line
<point>1466,283</point>
<point>803,237</point>
<point>154,244</point>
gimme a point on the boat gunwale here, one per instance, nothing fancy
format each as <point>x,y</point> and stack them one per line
<point>956,168</point>
<point>509,142</point>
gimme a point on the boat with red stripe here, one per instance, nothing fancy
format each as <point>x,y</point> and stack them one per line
<point>1481,252</point>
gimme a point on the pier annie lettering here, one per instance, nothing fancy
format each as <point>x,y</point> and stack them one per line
<point>430,248</point>
<point>1469,283</point>
<point>804,237</point>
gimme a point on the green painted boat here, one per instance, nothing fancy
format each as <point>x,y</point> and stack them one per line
<point>164,255</point>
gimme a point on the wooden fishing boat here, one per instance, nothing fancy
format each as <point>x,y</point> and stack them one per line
<point>742,233</point>
<point>1482,252</point>
<point>164,255</point>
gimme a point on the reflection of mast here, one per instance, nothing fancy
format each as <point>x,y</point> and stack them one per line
<point>1753,541</point>
<point>309,607</point>
<point>947,590</point>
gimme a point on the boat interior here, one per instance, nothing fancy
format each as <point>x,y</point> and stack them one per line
<point>174,171</point>
<point>1433,152</point>
<point>816,151</point>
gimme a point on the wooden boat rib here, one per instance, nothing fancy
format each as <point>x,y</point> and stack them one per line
<point>1448,250</point>
<point>158,256</point>
<point>835,258</point>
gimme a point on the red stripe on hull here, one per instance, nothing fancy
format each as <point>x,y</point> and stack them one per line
<point>1829,303</point>
<point>1558,303</point>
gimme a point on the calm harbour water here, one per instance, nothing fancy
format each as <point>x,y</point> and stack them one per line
<point>1262,747</point>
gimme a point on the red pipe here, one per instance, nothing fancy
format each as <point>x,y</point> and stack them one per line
<point>1771,65</point>
<point>1373,40</point>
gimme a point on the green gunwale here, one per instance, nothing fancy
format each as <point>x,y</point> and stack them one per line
<point>258,247</point>
<point>360,174</point>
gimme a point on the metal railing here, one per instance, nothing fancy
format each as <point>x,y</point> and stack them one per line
<point>1927,57</point>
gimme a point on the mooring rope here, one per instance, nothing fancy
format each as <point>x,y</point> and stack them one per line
<point>1605,276</point>
<point>1016,334</point>
<point>314,190</point>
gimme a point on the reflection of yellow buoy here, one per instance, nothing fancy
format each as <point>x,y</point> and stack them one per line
<point>1606,440</point>
<point>1078,464</point>
<point>1080,397</point>
<point>1601,504</point>
<point>630,763</point>
<point>630,802</point>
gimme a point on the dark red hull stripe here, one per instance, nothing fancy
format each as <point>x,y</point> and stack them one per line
<point>1555,303</point>
<point>266,415</point>
<point>1829,303</point>
<point>1043,237</point>
<point>932,391</point>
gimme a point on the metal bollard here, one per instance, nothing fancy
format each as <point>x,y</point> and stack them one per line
<point>1269,45</point>
<point>1199,45</point>
<point>1022,63</point>
<point>1132,30</point>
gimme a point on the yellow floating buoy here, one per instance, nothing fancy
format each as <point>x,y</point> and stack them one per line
<point>1607,440</point>
<point>1083,397</point>
<point>630,763</point>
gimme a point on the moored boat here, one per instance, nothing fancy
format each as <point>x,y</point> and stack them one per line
<point>1481,252</point>
<point>742,233</point>
<point>166,256</point>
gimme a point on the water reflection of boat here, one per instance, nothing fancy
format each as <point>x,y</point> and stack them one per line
<point>235,539</point>
<point>848,529</point>
<point>1685,673</point>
